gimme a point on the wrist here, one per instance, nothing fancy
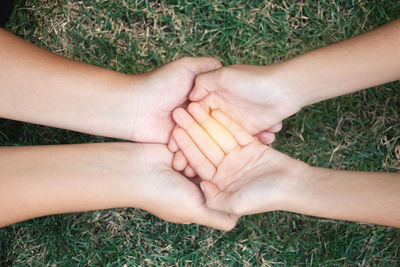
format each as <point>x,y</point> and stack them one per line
<point>140,101</point>
<point>292,185</point>
<point>124,101</point>
<point>304,192</point>
<point>285,77</point>
<point>124,165</point>
<point>67,178</point>
<point>276,81</point>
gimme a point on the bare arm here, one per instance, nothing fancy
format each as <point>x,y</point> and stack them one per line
<point>242,176</point>
<point>259,97</point>
<point>364,61</point>
<point>44,88</point>
<point>372,197</point>
<point>44,180</point>
<point>367,60</point>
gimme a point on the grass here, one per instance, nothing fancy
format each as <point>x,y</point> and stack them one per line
<point>355,132</point>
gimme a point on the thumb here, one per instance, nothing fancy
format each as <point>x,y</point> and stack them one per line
<point>204,84</point>
<point>199,65</point>
<point>266,137</point>
<point>216,199</point>
<point>215,219</point>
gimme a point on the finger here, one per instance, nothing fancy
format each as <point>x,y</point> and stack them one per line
<point>189,172</point>
<point>201,165</point>
<point>201,64</point>
<point>172,146</point>
<point>216,199</point>
<point>266,137</point>
<point>238,132</point>
<point>215,219</point>
<point>221,136</point>
<point>204,84</point>
<point>203,141</point>
<point>179,161</point>
<point>276,128</point>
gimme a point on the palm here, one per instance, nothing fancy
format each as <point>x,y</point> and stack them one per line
<point>254,171</point>
<point>242,164</point>
<point>245,93</point>
<point>163,90</point>
<point>173,197</point>
<point>240,174</point>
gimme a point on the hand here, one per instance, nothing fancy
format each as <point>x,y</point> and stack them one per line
<point>249,94</point>
<point>160,92</point>
<point>169,195</point>
<point>241,175</point>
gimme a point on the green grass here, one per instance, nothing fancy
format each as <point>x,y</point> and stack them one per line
<point>356,132</point>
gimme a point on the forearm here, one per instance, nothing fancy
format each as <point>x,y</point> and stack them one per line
<point>358,63</point>
<point>44,180</point>
<point>43,88</point>
<point>370,197</point>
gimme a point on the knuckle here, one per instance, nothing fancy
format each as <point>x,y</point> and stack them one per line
<point>202,144</point>
<point>224,76</point>
<point>210,202</point>
<point>192,106</point>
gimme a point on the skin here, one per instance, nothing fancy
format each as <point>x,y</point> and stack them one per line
<point>67,94</point>
<point>59,92</point>
<point>249,177</point>
<point>98,101</point>
<point>43,88</point>
<point>260,97</point>
<point>42,180</point>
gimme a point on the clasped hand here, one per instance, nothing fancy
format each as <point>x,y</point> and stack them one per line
<point>239,173</point>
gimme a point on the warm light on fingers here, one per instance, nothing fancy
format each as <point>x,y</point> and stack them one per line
<point>215,131</point>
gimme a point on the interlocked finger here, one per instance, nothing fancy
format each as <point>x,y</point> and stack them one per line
<point>219,133</point>
<point>200,164</point>
<point>238,132</point>
<point>199,136</point>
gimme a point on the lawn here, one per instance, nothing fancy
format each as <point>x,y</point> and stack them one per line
<point>355,132</point>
